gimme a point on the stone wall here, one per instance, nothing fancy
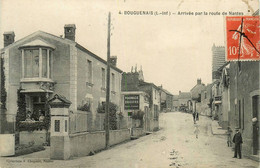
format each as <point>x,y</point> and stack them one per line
<point>35,137</point>
<point>137,132</point>
<point>82,144</point>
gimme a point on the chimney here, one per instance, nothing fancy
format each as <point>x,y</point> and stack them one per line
<point>113,60</point>
<point>70,31</point>
<point>8,38</point>
<point>199,81</point>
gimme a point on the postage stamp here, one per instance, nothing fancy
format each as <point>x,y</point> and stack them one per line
<point>243,42</point>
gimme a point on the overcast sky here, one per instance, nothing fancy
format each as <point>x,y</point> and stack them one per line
<point>173,50</point>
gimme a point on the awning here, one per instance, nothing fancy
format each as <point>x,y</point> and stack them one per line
<point>36,91</point>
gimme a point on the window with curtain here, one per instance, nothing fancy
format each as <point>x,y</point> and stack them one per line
<point>32,60</point>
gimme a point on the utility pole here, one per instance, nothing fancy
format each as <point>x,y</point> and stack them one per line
<point>108,84</point>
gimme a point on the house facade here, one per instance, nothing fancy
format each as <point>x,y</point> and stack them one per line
<point>42,65</point>
<point>132,82</point>
<point>183,100</point>
<point>245,103</point>
<point>196,94</point>
<point>166,100</point>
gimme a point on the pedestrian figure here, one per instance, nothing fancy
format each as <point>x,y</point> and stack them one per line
<point>196,131</point>
<point>229,141</point>
<point>237,139</point>
<point>194,117</point>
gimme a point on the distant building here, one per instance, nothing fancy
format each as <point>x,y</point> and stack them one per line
<point>166,99</point>
<point>183,99</point>
<point>218,60</point>
<point>223,96</point>
<point>206,101</point>
<point>175,103</point>
<point>133,82</point>
<point>196,94</point>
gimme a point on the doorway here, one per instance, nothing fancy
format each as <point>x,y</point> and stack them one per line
<point>256,114</point>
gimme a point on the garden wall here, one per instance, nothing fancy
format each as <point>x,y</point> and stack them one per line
<point>137,132</point>
<point>35,137</point>
<point>81,144</point>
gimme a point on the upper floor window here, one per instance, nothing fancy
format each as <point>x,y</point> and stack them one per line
<point>37,59</point>
<point>36,63</point>
<point>103,76</point>
<point>89,71</point>
<point>113,82</point>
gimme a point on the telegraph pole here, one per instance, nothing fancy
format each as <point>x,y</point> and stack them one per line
<point>108,83</point>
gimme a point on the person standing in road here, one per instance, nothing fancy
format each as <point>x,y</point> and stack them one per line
<point>196,131</point>
<point>237,139</point>
<point>194,117</point>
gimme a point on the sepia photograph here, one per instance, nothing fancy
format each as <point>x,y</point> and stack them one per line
<point>129,84</point>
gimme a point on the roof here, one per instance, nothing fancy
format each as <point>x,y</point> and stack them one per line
<point>70,25</point>
<point>96,57</point>
<point>184,95</point>
<point>38,43</point>
<point>146,83</point>
<point>61,98</point>
<point>64,40</point>
<point>166,91</point>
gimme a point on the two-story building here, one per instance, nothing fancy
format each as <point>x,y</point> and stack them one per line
<point>41,65</point>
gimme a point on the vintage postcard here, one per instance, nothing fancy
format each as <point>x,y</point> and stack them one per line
<point>131,84</point>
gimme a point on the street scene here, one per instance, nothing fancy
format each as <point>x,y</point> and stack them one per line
<point>175,145</point>
<point>129,84</point>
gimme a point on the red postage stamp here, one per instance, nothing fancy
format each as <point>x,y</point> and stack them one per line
<point>243,42</point>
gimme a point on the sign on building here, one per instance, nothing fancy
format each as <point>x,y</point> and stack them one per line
<point>131,102</point>
<point>242,34</point>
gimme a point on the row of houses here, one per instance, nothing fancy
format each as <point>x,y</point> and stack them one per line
<point>233,98</point>
<point>39,66</point>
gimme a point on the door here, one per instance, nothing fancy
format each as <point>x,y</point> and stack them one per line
<point>256,107</point>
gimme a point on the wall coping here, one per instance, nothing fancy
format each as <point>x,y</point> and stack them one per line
<point>95,132</point>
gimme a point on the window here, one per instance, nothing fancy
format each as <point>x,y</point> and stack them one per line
<point>66,125</point>
<point>103,76</point>
<point>113,82</point>
<point>89,71</point>
<point>36,63</point>
<point>44,63</point>
<point>57,126</point>
<point>31,63</point>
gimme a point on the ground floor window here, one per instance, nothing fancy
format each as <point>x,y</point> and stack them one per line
<point>36,105</point>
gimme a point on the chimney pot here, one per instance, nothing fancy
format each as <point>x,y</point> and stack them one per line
<point>70,31</point>
<point>8,38</point>
<point>113,60</point>
<point>198,81</point>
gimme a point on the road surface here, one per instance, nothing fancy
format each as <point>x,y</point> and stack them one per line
<point>175,145</point>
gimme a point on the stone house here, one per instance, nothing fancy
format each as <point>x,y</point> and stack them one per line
<point>175,103</point>
<point>41,65</point>
<point>166,100</point>
<point>206,101</point>
<point>133,81</point>
<point>183,99</point>
<point>196,92</point>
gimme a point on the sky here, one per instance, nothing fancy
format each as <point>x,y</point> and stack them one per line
<point>174,51</point>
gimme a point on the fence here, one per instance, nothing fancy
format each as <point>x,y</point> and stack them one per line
<point>88,122</point>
